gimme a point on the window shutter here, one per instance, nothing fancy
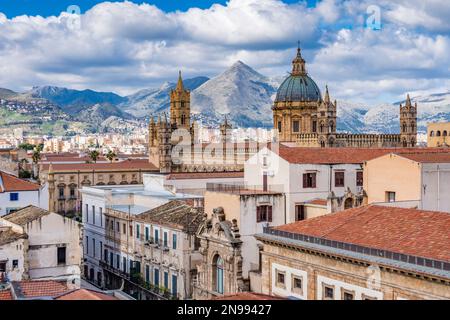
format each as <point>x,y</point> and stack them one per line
<point>305,180</point>
<point>269,213</point>
<point>313,176</point>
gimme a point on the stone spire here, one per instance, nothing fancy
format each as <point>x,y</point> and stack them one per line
<point>327,94</point>
<point>408,100</point>
<point>298,64</point>
<point>180,86</point>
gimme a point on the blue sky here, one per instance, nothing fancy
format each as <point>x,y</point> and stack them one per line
<point>12,8</point>
<point>128,46</point>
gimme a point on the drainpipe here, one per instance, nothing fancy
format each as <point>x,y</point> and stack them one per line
<point>438,188</point>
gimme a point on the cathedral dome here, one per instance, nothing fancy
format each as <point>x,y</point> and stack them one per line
<point>298,86</point>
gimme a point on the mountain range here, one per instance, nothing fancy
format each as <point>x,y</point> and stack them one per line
<point>241,93</point>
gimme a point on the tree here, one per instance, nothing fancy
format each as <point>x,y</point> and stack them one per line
<point>111,155</point>
<point>27,146</point>
<point>94,154</point>
<point>36,154</point>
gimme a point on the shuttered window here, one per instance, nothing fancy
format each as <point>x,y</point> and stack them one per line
<point>309,180</point>
<point>264,213</point>
<point>339,177</point>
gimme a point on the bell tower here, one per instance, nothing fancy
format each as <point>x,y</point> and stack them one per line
<point>180,106</point>
<point>408,123</point>
<point>326,116</point>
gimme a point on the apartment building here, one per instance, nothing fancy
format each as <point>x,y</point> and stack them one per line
<point>65,180</point>
<point>416,180</point>
<point>40,245</point>
<point>331,175</point>
<point>109,232</point>
<point>166,239</point>
<point>16,193</point>
<point>366,253</point>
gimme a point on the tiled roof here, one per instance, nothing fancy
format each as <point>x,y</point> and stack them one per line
<point>300,155</point>
<point>205,175</point>
<point>248,296</point>
<point>8,235</point>
<point>175,214</point>
<point>320,202</point>
<point>85,294</point>
<point>132,165</point>
<point>26,215</point>
<point>407,231</point>
<point>10,183</point>
<point>5,295</point>
<point>427,157</point>
<point>36,289</point>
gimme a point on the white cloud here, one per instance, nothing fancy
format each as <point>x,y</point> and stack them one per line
<point>124,47</point>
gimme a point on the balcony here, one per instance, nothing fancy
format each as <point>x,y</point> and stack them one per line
<point>244,189</point>
<point>115,271</point>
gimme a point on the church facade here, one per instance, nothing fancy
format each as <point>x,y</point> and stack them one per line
<point>301,115</point>
<point>174,144</point>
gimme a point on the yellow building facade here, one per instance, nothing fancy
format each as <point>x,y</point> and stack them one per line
<point>438,134</point>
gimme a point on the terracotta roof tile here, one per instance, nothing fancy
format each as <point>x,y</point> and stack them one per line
<point>320,202</point>
<point>408,231</point>
<point>345,155</point>
<point>9,183</point>
<point>5,295</point>
<point>248,296</point>
<point>134,164</point>
<point>35,289</point>
<point>85,294</point>
<point>175,213</point>
<point>427,157</point>
<point>205,175</point>
<point>25,215</point>
<point>8,235</point>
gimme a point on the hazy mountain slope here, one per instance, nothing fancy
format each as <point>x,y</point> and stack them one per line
<point>153,101</point>
<point>240,92</point>
<point>73,101</point>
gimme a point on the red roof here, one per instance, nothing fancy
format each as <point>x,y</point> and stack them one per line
<point>10,183</point>
<point>34,289</point>
<point>5,295</point>
<point>300,155</point>
<point>85,294</point>
<point>135,164</point>
<point>205,175</point>
<point>248,296</point>
<point>320,202</point>
<point>408,231</point>
<point>427,157</point>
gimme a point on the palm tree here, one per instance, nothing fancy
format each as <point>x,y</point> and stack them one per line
<point>36,157</point>
<point>94,154</point>
<point>111,155</point>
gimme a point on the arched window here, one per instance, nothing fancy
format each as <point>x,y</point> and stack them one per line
<point>183,119</point>
<point>444,133</point>
<point>404,127</point>
<point>438,133</point>
<point>432,133</point>
<point>218,266</point>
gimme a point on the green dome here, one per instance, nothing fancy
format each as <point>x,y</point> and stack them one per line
<point>298,88</point>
